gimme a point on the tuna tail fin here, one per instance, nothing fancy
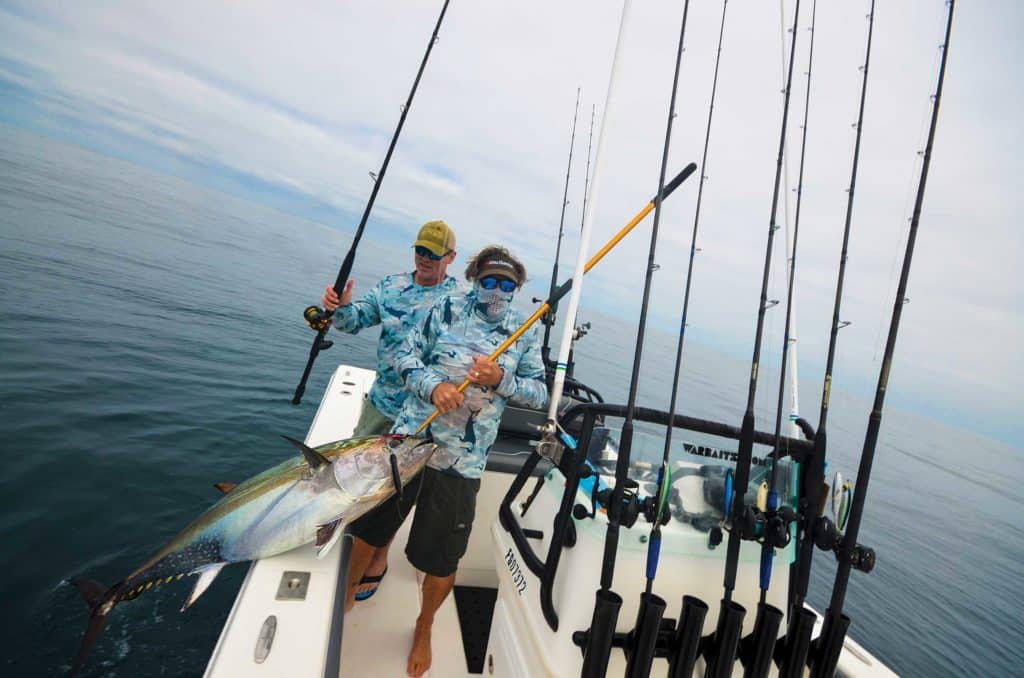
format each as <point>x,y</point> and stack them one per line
<point>91,591</point>
<point>100,601</point>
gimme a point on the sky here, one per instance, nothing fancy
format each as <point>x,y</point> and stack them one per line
<point>293,105</point>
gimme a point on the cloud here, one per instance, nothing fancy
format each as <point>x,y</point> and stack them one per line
<point>305,101</point>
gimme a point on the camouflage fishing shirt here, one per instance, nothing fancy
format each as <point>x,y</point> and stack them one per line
<point>442,349</point>
<point>398,304</point>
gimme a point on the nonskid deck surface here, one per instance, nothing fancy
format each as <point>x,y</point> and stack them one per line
<point>378,631</point>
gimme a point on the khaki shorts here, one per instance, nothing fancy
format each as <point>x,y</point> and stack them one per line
<point>371,421</point>
<point>445,508</point>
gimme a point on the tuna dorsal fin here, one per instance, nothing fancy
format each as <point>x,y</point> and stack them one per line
<point>313,458</point>
<point>225,487</point>
<point>327,536</point>
<point>207,574</point>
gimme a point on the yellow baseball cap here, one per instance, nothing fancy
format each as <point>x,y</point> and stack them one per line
<point>437,237</point>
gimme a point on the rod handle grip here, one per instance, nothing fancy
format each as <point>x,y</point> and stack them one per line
<point>674,184</point>
<point>767,555</point>
<point>653,553</point>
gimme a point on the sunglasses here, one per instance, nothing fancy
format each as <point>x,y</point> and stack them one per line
<point>422,251</point>
<point>490,282</point>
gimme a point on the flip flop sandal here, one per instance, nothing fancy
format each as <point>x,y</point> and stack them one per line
<point>368,579</point>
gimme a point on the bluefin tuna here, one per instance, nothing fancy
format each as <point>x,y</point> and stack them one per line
<point>304,499</point>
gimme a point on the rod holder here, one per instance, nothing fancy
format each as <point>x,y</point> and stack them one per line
<point>599,639</point>
<point>791,654</point>
<point>829,646</point>
<point>721,650</point>
<point>644,638</point>
<point>686,644</point>
<point>757,648</point>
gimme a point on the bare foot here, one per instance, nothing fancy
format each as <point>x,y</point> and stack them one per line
<point>419,655</point>
<point>350,596</point>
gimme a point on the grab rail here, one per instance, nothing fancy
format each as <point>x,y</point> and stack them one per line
<point>570,465</point>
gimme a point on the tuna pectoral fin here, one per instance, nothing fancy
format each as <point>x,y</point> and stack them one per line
<point>313,458</point>
<point>225,487</point>
<point>101,601</point>
<point>327,536</point>
<point>207,574</point>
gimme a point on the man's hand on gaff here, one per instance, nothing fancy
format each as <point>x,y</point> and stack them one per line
<point>446,397</point>
<point>330,300</point>
<point>484,372</point>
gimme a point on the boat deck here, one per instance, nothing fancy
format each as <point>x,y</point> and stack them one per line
<point>308,635</point>
<point>378,631</point>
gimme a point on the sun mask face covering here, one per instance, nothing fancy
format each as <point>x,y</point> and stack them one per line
<point>492,305</point>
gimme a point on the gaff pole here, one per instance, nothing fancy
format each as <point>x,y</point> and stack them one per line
<point>569,284</point>
<point>317,318</point>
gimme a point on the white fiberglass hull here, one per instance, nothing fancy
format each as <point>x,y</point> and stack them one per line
<point>307,638</point>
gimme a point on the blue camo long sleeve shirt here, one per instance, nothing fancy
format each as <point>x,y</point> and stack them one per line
<point>442,349</point>
<point>398,304</point>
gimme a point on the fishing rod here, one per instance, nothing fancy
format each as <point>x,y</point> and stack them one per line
<point>691,618</point>
<point>798,635</point>
<point>665,479</point>
<point>550,318</point>
<point>580,330</point>
<point>652,607</point>
<point>689,269</point>
<point>773,497</point>
<point>586,176</point>
<point>794,380</point>
<point>317,318</point>
<point>775,534</point>
<point>743,522</point>
<point>851,554</point>
<point>568,285</point>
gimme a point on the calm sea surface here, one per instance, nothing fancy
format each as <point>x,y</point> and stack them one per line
<point>150,340</point>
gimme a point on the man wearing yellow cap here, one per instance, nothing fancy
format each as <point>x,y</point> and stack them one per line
<point>398,303</point>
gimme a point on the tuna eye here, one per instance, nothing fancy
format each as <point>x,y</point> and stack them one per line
<point>396,441</point>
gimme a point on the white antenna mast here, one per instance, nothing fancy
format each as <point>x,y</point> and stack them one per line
<point>561,365</point>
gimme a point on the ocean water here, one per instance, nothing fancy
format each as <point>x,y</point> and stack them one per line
<point>150,340</point>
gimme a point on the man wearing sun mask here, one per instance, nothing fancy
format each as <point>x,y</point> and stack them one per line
<point>450,345</point>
